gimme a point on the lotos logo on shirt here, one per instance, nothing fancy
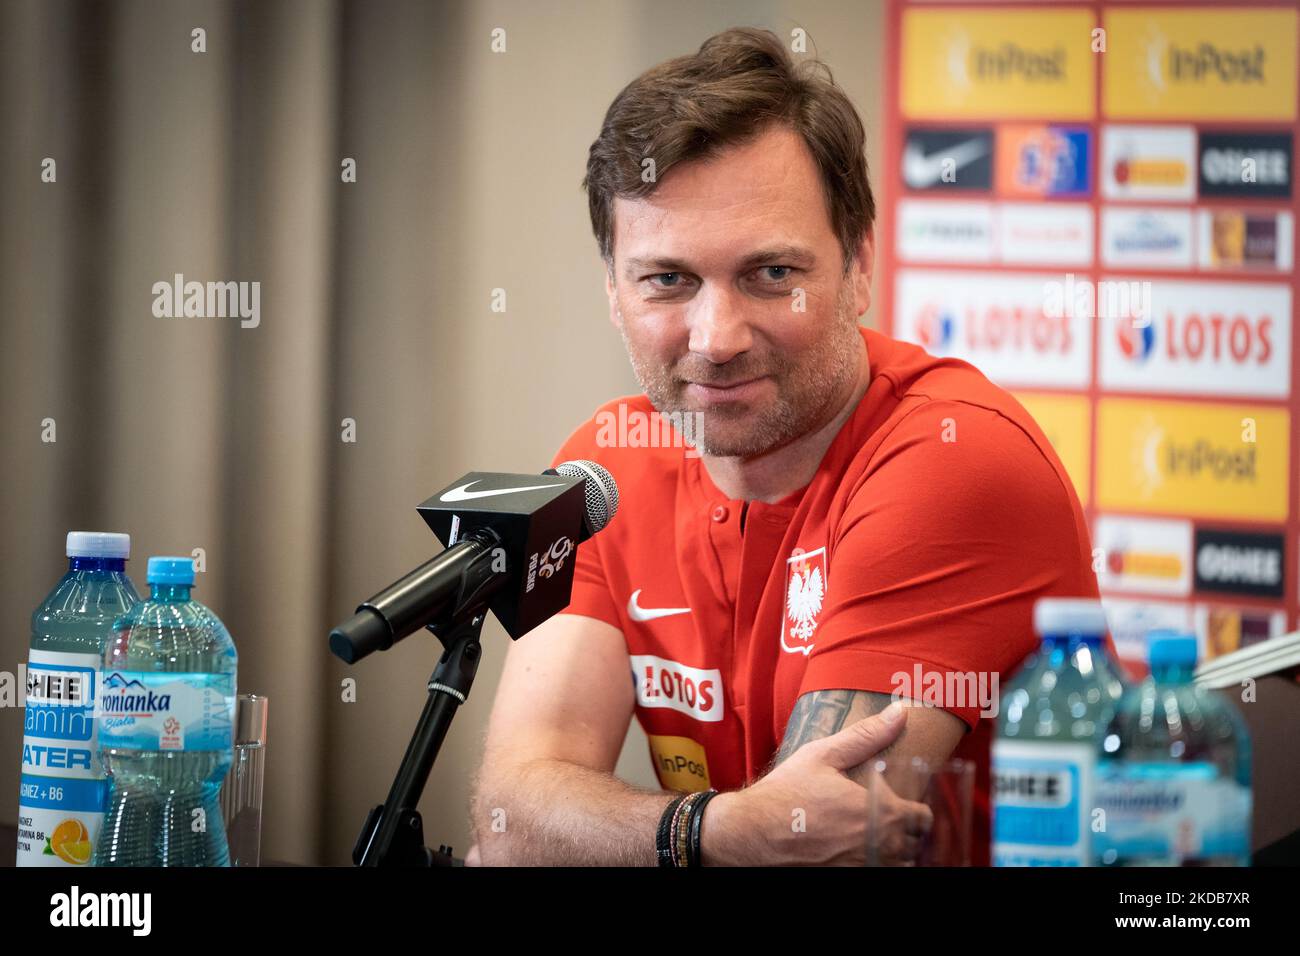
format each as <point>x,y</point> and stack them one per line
<point>693,691</point>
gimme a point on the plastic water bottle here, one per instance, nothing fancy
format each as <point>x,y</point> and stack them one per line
<point>1054,713</point>
<point>62,792</point>
<point>165,714</point>
<point>1174,779</point>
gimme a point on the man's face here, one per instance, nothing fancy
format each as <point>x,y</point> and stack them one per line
<point>729,290</point>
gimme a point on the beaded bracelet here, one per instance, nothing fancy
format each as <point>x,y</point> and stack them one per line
<point>663,837</point>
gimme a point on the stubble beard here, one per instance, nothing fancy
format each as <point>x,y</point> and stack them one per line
<point>804,392</point>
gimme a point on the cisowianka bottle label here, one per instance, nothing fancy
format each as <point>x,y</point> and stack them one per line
<point>142,710</point>
<point>62,791</point>
<point>1171,814</point>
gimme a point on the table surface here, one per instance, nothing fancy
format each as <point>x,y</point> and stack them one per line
<point>9,847</point>
<point>1285,852</point>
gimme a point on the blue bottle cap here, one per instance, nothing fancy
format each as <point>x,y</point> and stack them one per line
<point>1171,649</point>
<point>170,571</point>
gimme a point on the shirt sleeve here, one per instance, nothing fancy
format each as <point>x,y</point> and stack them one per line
<point>957,525</point>
<point>591,595</point>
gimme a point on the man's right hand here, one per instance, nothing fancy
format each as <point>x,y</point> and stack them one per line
<point>808,810</point>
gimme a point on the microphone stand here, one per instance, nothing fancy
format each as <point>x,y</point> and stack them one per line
<point>393,833</point>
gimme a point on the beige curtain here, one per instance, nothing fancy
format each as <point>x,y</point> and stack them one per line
<point>375,307</point>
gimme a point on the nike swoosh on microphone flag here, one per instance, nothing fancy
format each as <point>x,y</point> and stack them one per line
<point>461,494</point>
<point>638,613</point>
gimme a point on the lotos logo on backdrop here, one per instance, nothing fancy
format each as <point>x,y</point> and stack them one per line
<point>934,328</point>
<point>999,323</point>
<point>1193,337</point>
<point>1135,342</point>
<point>1204,338</point>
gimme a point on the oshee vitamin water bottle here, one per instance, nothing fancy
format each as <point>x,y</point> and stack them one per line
<point>166,716</point>
<point>1174,778</point>
<point>1054,713</point>
<point>62,794</point>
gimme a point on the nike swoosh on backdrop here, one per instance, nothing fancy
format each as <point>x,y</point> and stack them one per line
<point>460,494</point>
<point>921,171</point>
<point>638,613</point>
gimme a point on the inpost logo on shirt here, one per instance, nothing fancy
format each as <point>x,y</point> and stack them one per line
<point>1021,64</point>
<point>680,762</point>
<point>1229,63</point>
<point>1211,460</point>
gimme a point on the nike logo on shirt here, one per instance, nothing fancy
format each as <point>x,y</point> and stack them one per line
<point>638,613</point>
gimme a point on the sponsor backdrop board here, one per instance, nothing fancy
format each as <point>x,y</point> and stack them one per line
<point>1094,203</point>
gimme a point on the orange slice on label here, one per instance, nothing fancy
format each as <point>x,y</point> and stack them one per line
<point>70,842</point>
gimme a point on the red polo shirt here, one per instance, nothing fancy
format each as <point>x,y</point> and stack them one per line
<point>936,518</point>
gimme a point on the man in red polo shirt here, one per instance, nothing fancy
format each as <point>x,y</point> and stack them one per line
<point>853,520</point>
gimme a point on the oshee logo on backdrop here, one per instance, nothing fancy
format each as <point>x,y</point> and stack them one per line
<point>1246,165</point>
<point>1238,562</point>
<point>995,322</point>
<point>1207,460</point>
<point>1203,338</point>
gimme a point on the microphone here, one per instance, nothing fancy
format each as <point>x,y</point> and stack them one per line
<point>508,541</point>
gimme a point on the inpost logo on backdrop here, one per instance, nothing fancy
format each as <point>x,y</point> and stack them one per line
<point>1207,460</point>
<point>968,63</point>
<point>1066,421</point>
<point>1225,63</point>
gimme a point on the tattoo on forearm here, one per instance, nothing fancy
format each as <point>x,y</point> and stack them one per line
<point>824,712</point>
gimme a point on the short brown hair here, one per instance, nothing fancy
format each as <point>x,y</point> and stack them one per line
<point>741,81</point>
